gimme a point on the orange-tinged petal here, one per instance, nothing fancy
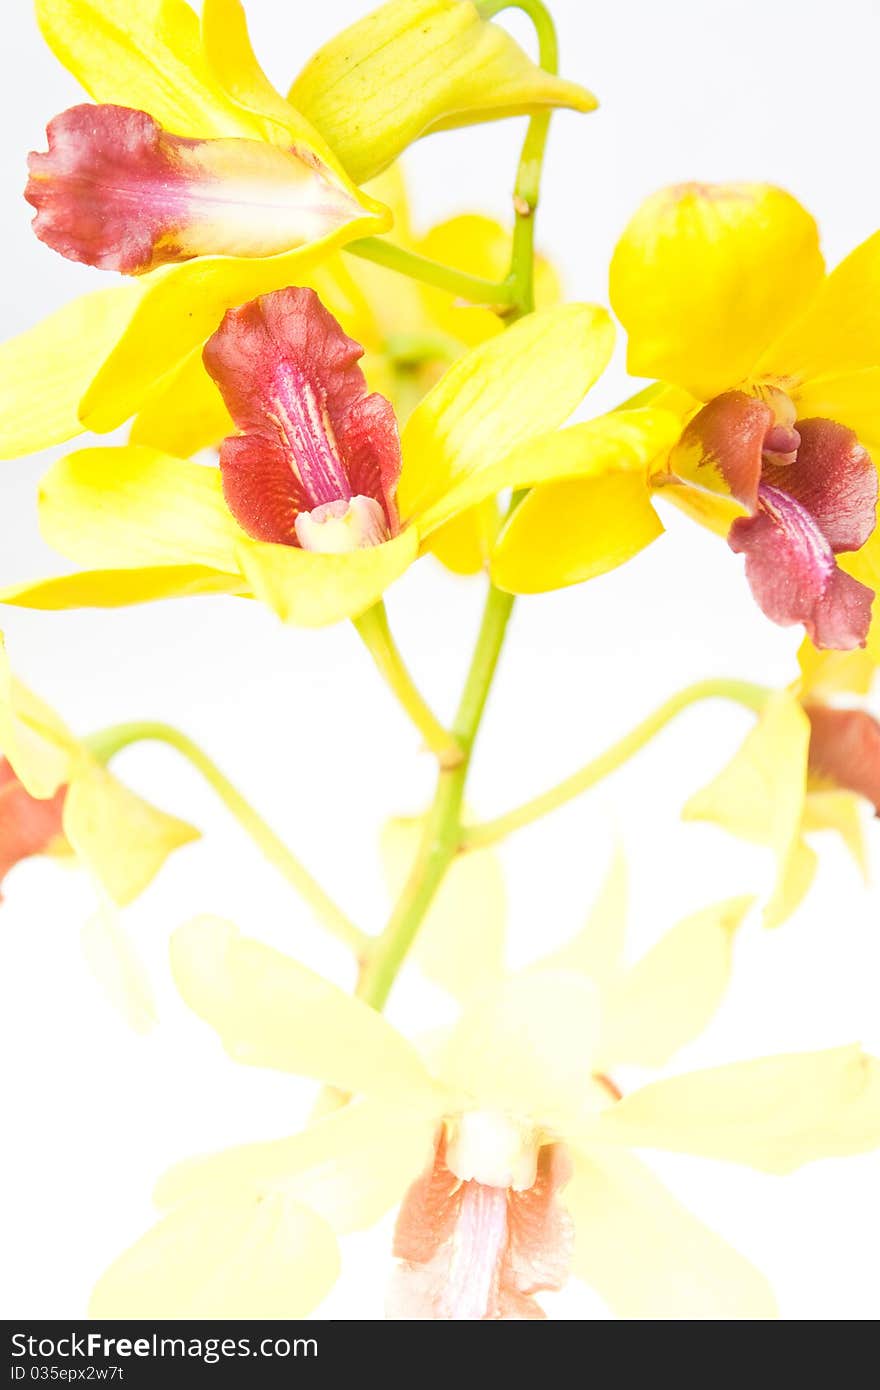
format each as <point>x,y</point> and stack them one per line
<point>705,276</point>
<point>647,1256</point>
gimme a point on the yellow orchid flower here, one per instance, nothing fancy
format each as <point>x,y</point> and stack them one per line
<point>506,1152</point>
<point>410,333</point>
<point>414,67</point>
<point>774,367</point>
<point>56,797</point>
<point>807,765</point>
<point>190,172</point>
<point>317,508</point>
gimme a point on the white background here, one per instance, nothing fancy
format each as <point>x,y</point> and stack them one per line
<point>782,91</point>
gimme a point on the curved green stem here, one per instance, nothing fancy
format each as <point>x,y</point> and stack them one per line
<point>375,633</point>
<point>108,742</point>
<point>473,288</point>
<point>489,832</point>
<point>442,835</point>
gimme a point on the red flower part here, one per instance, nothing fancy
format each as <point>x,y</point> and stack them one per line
<point>27,826</point>
<point>479,1253</point>
<point>845,750</point>
<point>117,191</point>
<point>318,458</point>
<point>812,492</point>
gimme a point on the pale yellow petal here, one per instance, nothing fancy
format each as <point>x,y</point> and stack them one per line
<point>460,944</point>
<point>775,1113</point>
<point>46,371</point>
<point>670,996</point>
<point>133,506</point>
<point>351,1167</point>
<point>121,838</point>
<point>272,1012</point>
<point>842,812</point>
<point>115,964</point>
<point>309,589</point>
<point>796,872</point>
<point>500,395</point>
<point>706,275</point>
<point>413,66</point>
<point>527,1046</point>
<point>597,950</point>
<point>648,1257</point>
<point>235,1255</point>
<point>38,746</point>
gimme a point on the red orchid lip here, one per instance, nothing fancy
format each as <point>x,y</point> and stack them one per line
<point>28,826</point>
<point>312,436</point>
<point>845,750</point>
<point>811,489</point>
<point>117,191</point>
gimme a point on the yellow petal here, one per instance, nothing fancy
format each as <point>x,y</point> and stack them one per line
<point>45,372</point>
<point>239,1255</point>
<point>825,673</point>
<point>570,531</point>
<point>181,306</point>
<point>706,275</point>
<point>775,1113</point>
<point>864,565</point>
<point>115,965</point>
<point>478,246</point>
<point>122,587</point>
<point>839,333</point>
<point>184,414</point>
<point>853,398</point>
<point>527,1046</point>
<point>272,1012</point>
<point>708,509</point>
<point>38,746</point>
<point>622,442</point>
<point>648,1257</point>
<point>310,589</point>
<point>759,796</point>
<point>464,544</point>
<point>134,506</point>
<point>500,395</point>
<point>460,944</point>
<point>672,993</point>
<point>843,812</point>
<point>351,1167</point>
<point>597,950</point>
<point>142,53</point>
<point>414,66</point>
<point>796,873</point>
<point>121,838</point>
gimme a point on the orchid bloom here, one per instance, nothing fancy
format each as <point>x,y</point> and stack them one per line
<point>191,173</point>
<point>808,765</point>
<point>775,367</point>
<point>55,797</point>
<point>318,505</point>
<point>506,1153</point>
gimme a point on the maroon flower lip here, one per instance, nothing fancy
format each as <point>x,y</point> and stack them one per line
<point>811,489</point>
<point>315,448</point>
<point>845,750</point>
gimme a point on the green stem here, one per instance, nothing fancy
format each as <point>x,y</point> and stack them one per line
<point>108,742</point>
<point>489,832</point>
<point>442,835</point>
<point>375,633</point>
<point>473,288</point>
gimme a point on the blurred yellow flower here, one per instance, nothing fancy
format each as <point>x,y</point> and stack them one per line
<point>807,765</point>
<point>507,1148</point>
